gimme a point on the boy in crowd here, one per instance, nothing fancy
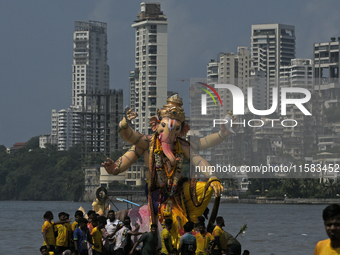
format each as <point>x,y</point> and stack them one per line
<point>150,242</point>
<point>224,242</point>
<point>187,242</point>
<point>47,230</point>
<point>43,250</point>
<point>220,243</point>
<point>69,227</point>
<point>77,216</point>
<point>81,236</point>
<point>331,219</point>
<point>166,238</point>
<point>122,236</point>
<point>90,215</point>
<point>112,226</point>
<point>62,240</point>
<point>203,239</point>
<point>97,234</point>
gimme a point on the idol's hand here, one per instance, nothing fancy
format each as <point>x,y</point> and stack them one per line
<point>110,167</point>
<point>131,115</point>
<point>224,131</point>
<point>218,188</point>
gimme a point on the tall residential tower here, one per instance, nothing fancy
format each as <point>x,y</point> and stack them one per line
<point>272,46</point>
<point>92,119</point>
<point>149,79</point>
<point>90,72</point>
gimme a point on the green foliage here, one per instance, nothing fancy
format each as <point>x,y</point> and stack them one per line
<point>2,149</point>
<point>32,173</point>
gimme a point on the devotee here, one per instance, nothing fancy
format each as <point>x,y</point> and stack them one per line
<point>331,218</point>
<point>150,242</point>
<point>187,242</point>
<point>203,239</point>
<point>166,238</point>
<point>47,230</point>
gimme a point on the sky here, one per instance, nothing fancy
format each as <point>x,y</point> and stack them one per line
<point>36,47</point>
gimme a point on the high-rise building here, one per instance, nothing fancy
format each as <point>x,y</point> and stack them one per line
<point>235,69</point>
<point>65,130</point>
<point>90,72</point>
<point>272,46</point>
<point>326,62</point>
<point>99,122</point>
<point>229,68</point>
<point>326,71</point>
<point>149,79</point>
<point>92,119</point>
<point>298,74</point>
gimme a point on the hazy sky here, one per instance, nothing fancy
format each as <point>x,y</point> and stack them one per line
<point>36,47</point>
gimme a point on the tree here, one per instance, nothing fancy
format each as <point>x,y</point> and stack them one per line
<point>33,173</point>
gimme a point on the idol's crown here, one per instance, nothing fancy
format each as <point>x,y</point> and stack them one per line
<point>172,109</point>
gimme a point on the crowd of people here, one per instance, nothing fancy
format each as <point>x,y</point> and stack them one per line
<point>92,234</point>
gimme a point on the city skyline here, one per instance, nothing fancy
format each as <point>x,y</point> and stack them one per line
<point>36,62</point>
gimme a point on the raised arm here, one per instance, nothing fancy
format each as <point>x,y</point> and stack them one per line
<point>134,247</point>
<point>130,135</point>
<point>211,140</point>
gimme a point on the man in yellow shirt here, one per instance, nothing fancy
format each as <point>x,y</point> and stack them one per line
<point>225,242</point>
<point>220,242</point>
<point>167,247</point>
<point>331,218</point>
<point>97,234</point>
<point>62,240</point>
<point>203,238</point>
<point>47,230</point>
<point>78,215</point>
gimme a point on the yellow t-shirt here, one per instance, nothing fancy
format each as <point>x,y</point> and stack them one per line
<point>203,243</point>
<point>69,226</point>
<point>166,235</point>
<point>97,236</point>
<point>49,233</point>
<point>218,232</point>
<point>324,248</point>
<point>74,225</point>
<point>62,238</point>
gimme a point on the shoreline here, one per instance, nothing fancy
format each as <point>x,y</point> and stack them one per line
<point>231,200</point>
<point>269,200</point>
<point>257,200</point>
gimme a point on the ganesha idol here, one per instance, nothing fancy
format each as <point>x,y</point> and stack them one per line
<point>169,196</point>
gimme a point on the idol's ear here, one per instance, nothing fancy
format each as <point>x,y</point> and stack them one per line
<point>154,122</point>
<point>185,129</point>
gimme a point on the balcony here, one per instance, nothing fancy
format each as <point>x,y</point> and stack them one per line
<point>152,41</point>
<point>80,55</point>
